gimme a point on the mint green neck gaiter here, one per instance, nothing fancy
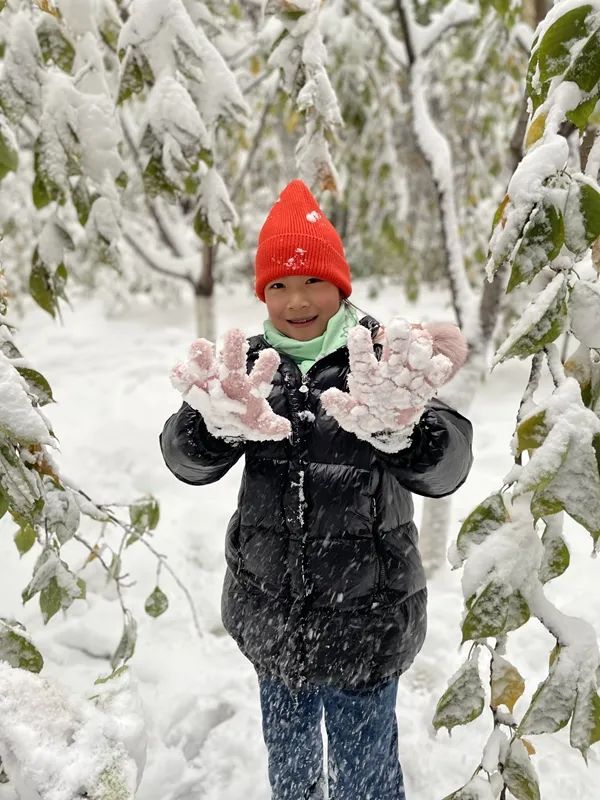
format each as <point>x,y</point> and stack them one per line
<point>305,353</point>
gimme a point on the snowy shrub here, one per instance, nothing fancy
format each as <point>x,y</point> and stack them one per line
<point>511,545</point>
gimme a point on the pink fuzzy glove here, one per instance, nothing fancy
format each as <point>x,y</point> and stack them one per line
<point>386,398</point>
<point>232,403</point>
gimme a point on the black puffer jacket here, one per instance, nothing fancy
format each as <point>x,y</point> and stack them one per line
<point>324,581</point>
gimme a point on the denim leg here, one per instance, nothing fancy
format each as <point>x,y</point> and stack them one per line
<point>362,736</point>
<point>291,724</point>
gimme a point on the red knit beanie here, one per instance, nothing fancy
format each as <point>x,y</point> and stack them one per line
<point>298,239</point>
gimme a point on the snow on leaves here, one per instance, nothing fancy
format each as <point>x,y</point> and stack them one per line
<point>464,698</point>
<point>57,745</point>
<point>55,583</point>
<point>301,56</point>
<point>563,439</point>
<point>17,649</point>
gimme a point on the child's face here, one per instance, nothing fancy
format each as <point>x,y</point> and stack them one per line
<point>293,299</point>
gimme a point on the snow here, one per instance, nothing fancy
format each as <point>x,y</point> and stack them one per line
<point>20,421</point>
<point>199,696</point>
<point>57,747</point>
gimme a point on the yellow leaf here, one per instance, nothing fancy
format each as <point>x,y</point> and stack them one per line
<point>507,683</point>
<point>291,123</point>
<point>255,65</point>
<point>529,747</point>
<point>46,5</point>
<point>535,130</point>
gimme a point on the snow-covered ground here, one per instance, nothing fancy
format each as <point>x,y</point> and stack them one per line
<point>110,380</point>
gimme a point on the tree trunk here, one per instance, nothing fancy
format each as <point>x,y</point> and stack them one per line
<point>204,296</point>
<point>436,515</point>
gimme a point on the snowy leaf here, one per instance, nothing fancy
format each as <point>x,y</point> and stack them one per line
<point>552,704</point>
<point>582,215</point>
<point>575,488</point>
<point>82,200</point>
<point>4,501</point>
<point>541,322</point>
<point>585,725</point>
<point>144,514</point>
<point>584,69</point>
<point>464,698</point>
<point>55,47</point>
<point>584,312</point>
<point>531,432</point>
<point>519,774</point>
<point>116,673</point>
<point>57,586</point>
<point>135,74</point>
<point>551,55</point>
<point>25,538</point>
<point>46,286</point>
<point>126,646</point>
<point>157,603</point>
<point>543,237</point>
<point>496,610</point>
<point>507,683</point>
<point>487,517</point>
<point>556,554</point>
<point>37,385</point>
<point>17,650</point>
<point>9,152</point>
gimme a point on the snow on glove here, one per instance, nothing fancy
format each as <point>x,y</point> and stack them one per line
<point>232,403</point>
<point>386,398</point>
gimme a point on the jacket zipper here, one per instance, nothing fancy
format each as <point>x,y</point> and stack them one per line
<point>376,544</point>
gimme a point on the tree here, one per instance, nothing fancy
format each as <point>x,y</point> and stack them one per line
<point>511,545</point>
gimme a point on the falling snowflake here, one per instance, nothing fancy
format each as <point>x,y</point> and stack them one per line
<point>313,216</point>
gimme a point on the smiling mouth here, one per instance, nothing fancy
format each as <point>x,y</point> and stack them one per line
<point>303,321</point>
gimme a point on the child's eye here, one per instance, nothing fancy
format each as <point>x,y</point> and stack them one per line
<point>275,285</point>
<point>316,280</point>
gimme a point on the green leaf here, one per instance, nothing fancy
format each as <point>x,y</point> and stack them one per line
<point>584,70</point>
<point>17,650</point>
<point>38,385</point>
<point>202,228</point>
<point>541,323</point>
<point>157,603</point>
<point>82,200</point>
<point>50,599</point>
<point>155,180</point>
<point>590,210</point>
<point>25,538</point>
<point>518,612</point>
<point>4,501</point>
<point>531,432</point>
<point>55,47</point>
<point>487,517</point>
<point>552,703</point>
<point>488,613</point>
<point>543,237</point>
<point>40,286</point>
<point>519,774</point>
<point>116,673</point>
<point>585,724</point>
<point>135,74</point>
<point>552,55</point>
<point>580,115</point>
<point>575,488</point>
<point>464,698</point>
<point>9,155</point>
<point>556,556</point>
<point>144,514</point>
<point>126,646</point>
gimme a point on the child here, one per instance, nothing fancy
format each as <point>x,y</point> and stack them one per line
<point>324,590</point>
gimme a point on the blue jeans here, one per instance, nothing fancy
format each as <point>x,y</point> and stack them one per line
<point>362,737</point>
